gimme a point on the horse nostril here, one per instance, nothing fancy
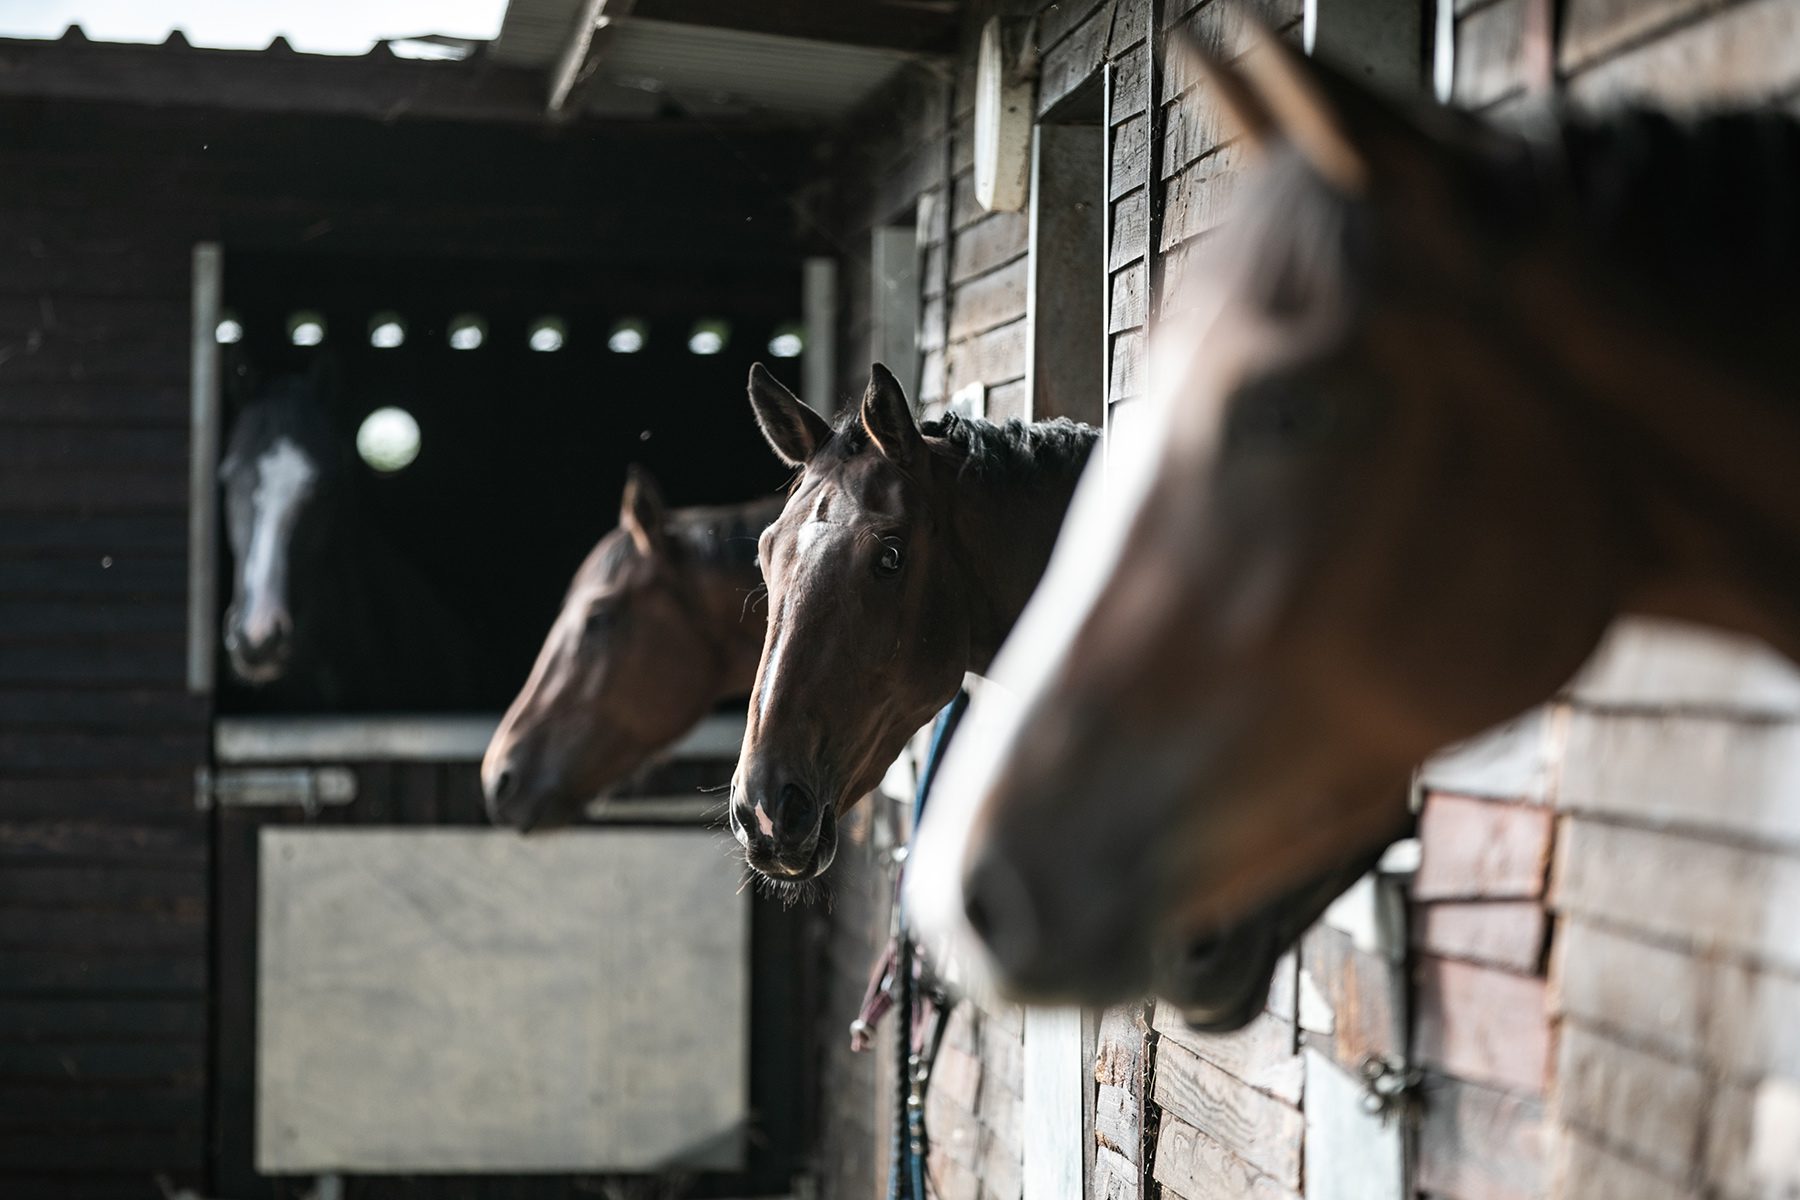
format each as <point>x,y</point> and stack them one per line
<point>798,813</point>
<point>501,787</point>
<point>999,909</point>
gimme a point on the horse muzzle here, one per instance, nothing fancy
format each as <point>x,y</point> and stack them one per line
<point>793,838</point>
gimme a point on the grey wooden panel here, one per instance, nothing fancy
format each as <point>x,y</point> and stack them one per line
<point>405,738</point>
<point>469,1000</point>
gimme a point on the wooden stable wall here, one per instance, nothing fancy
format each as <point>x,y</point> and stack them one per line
<point>106,1022</point>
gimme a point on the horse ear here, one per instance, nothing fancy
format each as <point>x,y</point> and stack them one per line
<point>1276,92</point>
<point>888,418</point>
<point>641,512</point>
<point>795,432</point>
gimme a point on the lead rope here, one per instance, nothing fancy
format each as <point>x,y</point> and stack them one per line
<point>896,983</point>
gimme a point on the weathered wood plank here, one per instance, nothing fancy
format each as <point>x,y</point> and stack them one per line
<point>1729,897</point>
<point>1198,199</point>
<point>1645,663</point>
<point>1502,933</point>
<point>1073,60</point>
<point>1116,1120</point>
<point>1222,29</point>
<point>989,300</point>
<point>1481,1143</point>
<point>1114,1178</point>
<point>1262,1130</point>
<point>1490,54</point>
<point>1650,1106</point>
<point>1129,357</point>
<point>1697,772</point>
<point>1130,229</point>
<point>1262,1054</point>
<point>991,242</point>
<point>1482,1025</point>
<point>1127,306</point>
<point>1129,165</point>
<point>1195,1166</point>
<point>1745,54</point>
<point>1481,850</point>
<point>1584,1168</point>
<point>1726,1015</point>
<point>1350,997</point>
<point>992,357</point>
<point>1513,761</point>
<point>1060,18</point>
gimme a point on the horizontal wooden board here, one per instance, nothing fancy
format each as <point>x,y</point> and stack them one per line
<point>124,1061</point>
<point>1199,199</point>
<point>1729,897</point>
<point>1726,1015</point>
<point>1127,375</point>
<point>1480,1143</point>
<point>144,1153</point>
<point>1260,1129</point>
<point>62,1105</point>
<point>47,1022</point>
<point>81,931</point>
<point>1650,1106</point>
<point>134,490</point>
<point>1225,31</point>
<point>1702,772</point>
<point>1264,1054</point>
<point>27,973</point>
<point>45,750</point>
<point>1490,55</point>
<point>991,242</point>
<point>1589,1170</point>
<point>142,660</point>
<point>1503,933</point>
<point>1513,761</point>
<point>1192,1165</point>
<point>1130,157</point>
<point>1481,850</point>
<point>992,357</point>
<point>98,841</point>
<point>1671,665</point>
<point>989,300</point>
<point>1130,228</point>
<point>83,400</point>
<point>86,796</point>
<point>1350,997</point>
<point>1126,308</point>
<point>1745,54</point>
<point>1482,1025</point>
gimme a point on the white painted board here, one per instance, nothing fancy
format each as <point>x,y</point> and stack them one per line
<point>470,1000</point>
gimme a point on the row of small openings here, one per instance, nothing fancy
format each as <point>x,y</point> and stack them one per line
<point>546,335</point>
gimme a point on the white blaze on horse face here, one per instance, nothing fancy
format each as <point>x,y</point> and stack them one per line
<point>1087,551</point>
<point>815,525</point>
<point>284,479</point>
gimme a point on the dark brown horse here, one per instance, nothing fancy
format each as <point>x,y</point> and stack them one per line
<point>899,564</point>
<point>1448,402</point>
<point>660,624</point>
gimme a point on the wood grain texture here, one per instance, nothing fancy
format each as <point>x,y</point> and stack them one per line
<point>1728,897</point>
<point>1480,1143</point>
<point>1744,54</point>
<point>1652,1107</point>
<point>1582,1167</point>
<point>1502,933</point>
<point>1195,1166</point>
<point>1262,1054</point>
<point>1254,1126</point>
<point>1482,1025</point>
<point>1481,850</point>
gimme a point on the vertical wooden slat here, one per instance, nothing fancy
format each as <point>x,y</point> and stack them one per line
<point>203,512</point>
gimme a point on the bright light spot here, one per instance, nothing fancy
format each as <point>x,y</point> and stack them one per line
<point>547,336</point>
<point>627,337</point>
<point>388,335</point>
<point>322,27</point>
<point>467,333</point>
<point>786,345</point>
<point>388,439</point>
<point>307,333</point>
<point>706,341</point>
<point>229,332</point>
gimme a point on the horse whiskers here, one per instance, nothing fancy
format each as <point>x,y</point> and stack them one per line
<point>759,592</point>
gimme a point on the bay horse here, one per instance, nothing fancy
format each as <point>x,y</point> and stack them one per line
<point>1445,403</point>
<point>898,564</point>
<point>660,623</point>
<point>325,613</point>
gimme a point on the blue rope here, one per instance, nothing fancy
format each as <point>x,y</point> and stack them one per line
<point>906,1174</point>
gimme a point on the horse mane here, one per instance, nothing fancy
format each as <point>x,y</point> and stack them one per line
<point>1707,202</point>
<point>1012,451</point>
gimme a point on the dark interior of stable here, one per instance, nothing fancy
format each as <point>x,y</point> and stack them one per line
<point>523,451</point>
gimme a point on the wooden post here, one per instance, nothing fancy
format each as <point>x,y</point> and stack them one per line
<point>203,455</point>
<point>1053,1102</point>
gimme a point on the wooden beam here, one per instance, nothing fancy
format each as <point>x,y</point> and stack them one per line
<point>582,52</point>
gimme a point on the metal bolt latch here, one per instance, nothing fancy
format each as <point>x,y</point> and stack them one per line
<point>1388,1087</point>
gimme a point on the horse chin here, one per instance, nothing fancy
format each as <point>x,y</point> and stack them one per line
<point>818,859</point>
<point>257,674</point>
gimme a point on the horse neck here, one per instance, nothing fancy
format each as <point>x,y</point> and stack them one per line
<point>1004,526</point>
<point>722,550</point>
<point>1691,425</point>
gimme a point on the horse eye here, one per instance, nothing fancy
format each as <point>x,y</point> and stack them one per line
<point>887,563</point>
<point>599,620</point>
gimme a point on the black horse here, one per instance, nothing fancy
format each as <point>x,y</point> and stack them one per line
<point>325,614</point>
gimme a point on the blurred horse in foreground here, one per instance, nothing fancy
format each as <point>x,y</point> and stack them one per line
<point>1445,402</point>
